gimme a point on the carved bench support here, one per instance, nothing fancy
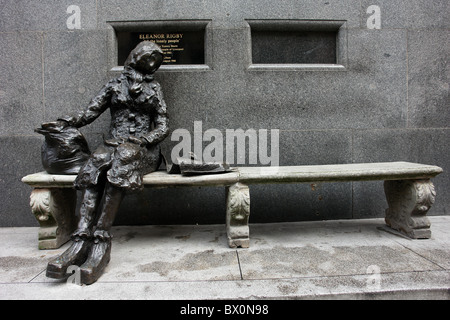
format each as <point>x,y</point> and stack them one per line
<point>409,202</point>
<point>54,209</point>
<point>238,213</point>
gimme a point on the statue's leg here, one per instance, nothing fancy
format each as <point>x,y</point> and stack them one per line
<point>409,202</point>
<point>88,211</point>
<point>100,252</point>
<point>78,251</point>
<point>112,199</point>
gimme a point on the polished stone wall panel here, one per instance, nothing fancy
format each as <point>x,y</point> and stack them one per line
<point>386,101</point>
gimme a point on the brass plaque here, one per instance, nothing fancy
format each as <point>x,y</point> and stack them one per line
<point>186,47</point>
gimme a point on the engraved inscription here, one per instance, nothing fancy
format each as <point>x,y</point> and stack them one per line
<point>170,43</point>
<point>180,47</point>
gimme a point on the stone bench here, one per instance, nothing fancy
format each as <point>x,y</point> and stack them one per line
<point>409,193</point>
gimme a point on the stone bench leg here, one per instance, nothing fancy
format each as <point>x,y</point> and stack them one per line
<point>238,212</point>
<point>409,202</point>
<point>54,209</point>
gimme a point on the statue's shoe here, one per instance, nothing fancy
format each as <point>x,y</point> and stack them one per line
<point>96,262</point>
<point>76,254</point>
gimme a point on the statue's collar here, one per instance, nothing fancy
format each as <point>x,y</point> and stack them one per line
<point>136,76</point>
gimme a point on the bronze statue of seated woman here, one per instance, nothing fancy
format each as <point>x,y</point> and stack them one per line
<point>139,122</point>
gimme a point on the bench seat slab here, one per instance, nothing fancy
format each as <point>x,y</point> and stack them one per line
<point>338,173</point>
<point>409,193</point>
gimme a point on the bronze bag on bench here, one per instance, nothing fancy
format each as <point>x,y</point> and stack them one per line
<point>65,149</point>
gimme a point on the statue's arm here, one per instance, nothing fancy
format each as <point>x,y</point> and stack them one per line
<point>161,120</point>
<point>95,108</point>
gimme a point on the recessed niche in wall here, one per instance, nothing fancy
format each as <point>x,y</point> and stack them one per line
<point>183,42</point>
<point>293,47</point>
<point>298,44</point>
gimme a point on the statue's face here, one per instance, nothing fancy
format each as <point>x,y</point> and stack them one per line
<point>148,62</point>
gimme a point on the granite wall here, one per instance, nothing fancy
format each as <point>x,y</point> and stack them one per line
<point>389,100</point>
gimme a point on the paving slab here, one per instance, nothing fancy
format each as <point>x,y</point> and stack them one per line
<point>331,249</point>
<point>343,259</point>
<point>168,253</point>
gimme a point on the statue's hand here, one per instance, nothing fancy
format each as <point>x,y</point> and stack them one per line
<point>54,126</point>
<point>140,142</point>
<point>70,120</point>
<point>114,142</point>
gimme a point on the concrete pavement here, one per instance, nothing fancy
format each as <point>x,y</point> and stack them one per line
<point>344,259</point>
